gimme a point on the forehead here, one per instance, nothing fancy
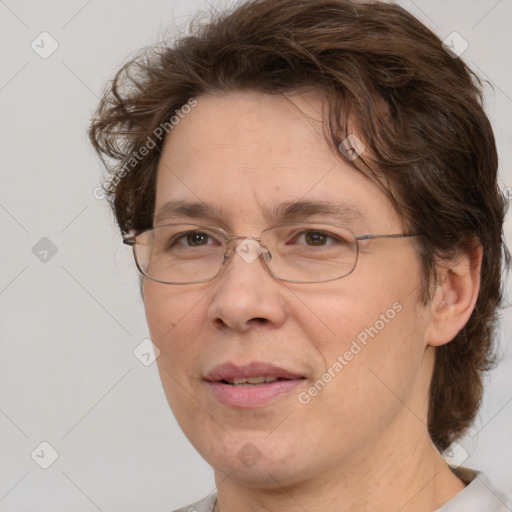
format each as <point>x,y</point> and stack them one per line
<point>247,153</point>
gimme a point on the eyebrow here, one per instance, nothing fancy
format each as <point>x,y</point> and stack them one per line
<point>340,211</point>
<point>287,211</point>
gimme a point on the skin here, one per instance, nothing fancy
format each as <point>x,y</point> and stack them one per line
<point>362,443</point>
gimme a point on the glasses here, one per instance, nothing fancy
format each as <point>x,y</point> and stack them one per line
<point>297,253</point>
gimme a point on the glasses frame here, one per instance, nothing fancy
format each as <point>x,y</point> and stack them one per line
<point>130,239</point>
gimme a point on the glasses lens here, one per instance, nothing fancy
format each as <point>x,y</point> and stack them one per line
<point>310,253</point>
<point>180,253</point>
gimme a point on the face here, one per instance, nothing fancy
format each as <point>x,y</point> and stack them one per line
<point>350,354</point>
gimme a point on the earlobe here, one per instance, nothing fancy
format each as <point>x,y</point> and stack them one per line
<point>455,296</point>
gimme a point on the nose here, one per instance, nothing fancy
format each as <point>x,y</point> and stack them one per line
<point>247,294</point>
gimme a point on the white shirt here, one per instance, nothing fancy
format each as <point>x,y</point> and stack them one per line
<point>478,496</point>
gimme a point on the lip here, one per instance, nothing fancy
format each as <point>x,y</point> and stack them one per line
<point>230,371</point>
<point>251,396</point>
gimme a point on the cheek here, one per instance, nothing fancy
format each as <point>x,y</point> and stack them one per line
<point>334,317</point>
<point>175,319</point>
<point>362,330</point>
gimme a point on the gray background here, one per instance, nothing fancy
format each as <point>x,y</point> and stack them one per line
<point>71,320</point>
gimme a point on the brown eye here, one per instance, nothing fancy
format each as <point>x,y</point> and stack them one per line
<point>316,238</point>
<point>197,238</point>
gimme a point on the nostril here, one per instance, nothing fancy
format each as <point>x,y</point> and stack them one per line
<point>220,323</point>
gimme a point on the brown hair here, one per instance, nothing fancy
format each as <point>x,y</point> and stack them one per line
<point>417,107</point>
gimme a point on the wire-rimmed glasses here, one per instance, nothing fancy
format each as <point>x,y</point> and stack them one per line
<point>297,252</point>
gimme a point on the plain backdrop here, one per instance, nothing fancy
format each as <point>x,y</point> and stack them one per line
<point>71,314</point>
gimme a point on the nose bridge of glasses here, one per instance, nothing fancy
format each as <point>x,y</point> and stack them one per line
<point>248,248</point>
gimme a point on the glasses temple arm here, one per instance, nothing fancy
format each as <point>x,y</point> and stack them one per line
<point>399,235</point>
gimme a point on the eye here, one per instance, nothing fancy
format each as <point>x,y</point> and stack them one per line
<point>315,239</point>
<point>194,239</point>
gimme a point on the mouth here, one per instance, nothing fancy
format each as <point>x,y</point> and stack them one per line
<point>252,385</point>
<point>252,381</point>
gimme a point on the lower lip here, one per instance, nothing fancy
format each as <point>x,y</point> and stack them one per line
<point>252,396</point>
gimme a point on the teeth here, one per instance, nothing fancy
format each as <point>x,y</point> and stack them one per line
<point>256,380</point>
<point>253,380</point>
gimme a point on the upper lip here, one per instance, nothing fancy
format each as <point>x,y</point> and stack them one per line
<point>230,371</point>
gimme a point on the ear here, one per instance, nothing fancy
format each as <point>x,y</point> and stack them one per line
<point>455,296</point>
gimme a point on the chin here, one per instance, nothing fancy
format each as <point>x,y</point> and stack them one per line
<point>253,461</point>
